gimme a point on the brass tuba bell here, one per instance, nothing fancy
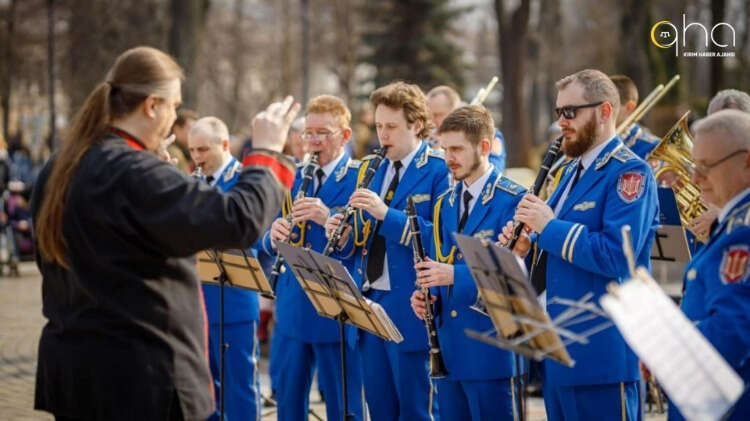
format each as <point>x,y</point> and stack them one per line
<point>674,151</point>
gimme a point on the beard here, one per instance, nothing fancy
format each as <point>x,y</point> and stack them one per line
<point>472,168</point>
<point>577,146</point>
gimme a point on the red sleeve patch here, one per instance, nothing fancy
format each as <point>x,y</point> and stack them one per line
<point>282,173</point>
<point>734,264</point>
<point>630,186</point>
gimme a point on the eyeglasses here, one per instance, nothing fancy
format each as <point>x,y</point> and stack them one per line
<point>323,135</point>
<point>569,111</point>
<point>703,169</point>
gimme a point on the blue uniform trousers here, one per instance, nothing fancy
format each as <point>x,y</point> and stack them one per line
<point>273,360</point>
<point>476,399</point>
<point>299,360</point>
<point>241,377</point>
<point>592,402</point>
<point>397,386</point>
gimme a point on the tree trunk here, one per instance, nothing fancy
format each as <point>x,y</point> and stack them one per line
<point>513,34</point>
<point>632,59</point>
<point>8,71</point>
<point>51,73</point>
<point>717,64</point>
<point>185,33</point>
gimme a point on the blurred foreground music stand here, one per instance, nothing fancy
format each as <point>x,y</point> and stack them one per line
<point>521,324</point>
<point>333,293</point>
<point>697,378</point>
<point>237,269</point>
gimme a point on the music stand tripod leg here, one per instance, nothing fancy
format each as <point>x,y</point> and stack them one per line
<point>344,383</point>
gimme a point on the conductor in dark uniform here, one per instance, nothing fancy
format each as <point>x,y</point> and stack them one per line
<point>116,227</point>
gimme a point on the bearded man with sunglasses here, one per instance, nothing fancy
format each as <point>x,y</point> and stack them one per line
<point>578,247</point>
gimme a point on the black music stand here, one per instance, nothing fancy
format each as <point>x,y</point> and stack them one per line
<point>237,269</point>
<point>333,293</point>
<point>521,324</point>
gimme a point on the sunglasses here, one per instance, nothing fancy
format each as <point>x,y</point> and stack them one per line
<point>569,111</point>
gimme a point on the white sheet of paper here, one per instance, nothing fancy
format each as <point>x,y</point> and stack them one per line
<point>694,375</point>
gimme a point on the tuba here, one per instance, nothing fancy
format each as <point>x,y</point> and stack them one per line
<point>674,151</point>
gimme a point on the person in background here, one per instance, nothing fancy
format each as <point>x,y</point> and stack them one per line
<point>179,150</point>
<point>208,143</point>
<point>442,100</point>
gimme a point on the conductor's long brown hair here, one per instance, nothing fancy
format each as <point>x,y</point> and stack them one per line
<point>136,74</point>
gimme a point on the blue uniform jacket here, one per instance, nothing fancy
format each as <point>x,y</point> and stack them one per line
<point>295,315</point>
<point>240,305</point>
<point>585,254</point>
<point>425,179</point>
<point>640,141</point>
<point>717,294</point>
<point>466,358</point>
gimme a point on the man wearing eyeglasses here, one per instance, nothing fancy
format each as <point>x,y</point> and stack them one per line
<point>579,246</point>
<point>397,383</point>
<point>305,339</point>
<point>717,279</point>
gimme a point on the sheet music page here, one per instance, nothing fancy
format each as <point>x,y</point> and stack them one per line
<point>694,375</point>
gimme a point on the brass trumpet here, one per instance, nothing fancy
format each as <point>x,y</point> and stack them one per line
<point>646,105</point>
<point>484,92</point>
<point>674,150</point>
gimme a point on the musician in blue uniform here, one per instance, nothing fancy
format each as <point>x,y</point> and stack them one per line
<point>306,339</point>
<point>603,187</point>
<point>442,100</point>
<point>481,378</point>
<point>208,144</point>
<point>717,279</point>
<point>638,138</point>
<point>397,384</point>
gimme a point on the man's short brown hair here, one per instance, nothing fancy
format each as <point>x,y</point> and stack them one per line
<point>625,86</point>
<point>474,121</point>
<point>330,104</point>
<point>596,87</point>
<point>406,97</point>
<point>184,115</point>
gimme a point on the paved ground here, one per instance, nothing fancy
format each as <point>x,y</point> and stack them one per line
<point>20,325</point>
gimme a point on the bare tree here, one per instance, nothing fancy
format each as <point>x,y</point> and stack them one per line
<point>513,28</point>
<point>185,34</point>
<point>8,65</point>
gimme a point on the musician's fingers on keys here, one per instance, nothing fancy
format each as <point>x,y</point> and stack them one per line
<point>310,209</point>
<point>369,201</point>
<point>280,230</point>
<point>418,304</point>
<point>431,273</point>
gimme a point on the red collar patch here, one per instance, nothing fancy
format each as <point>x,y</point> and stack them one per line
<point>131,140</point>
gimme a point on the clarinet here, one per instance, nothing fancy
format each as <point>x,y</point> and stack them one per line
<point>349,210</point>
<point>437,365</point>
<point>307,176</point>
<point>198,173</point>
<point>553,153</point>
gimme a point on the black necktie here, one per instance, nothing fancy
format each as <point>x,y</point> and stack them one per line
<point>577,176</point>
<point>377,250</point>
<point>465,214</point>
<point>319,173</point>
<point>539,272</point>
<point>210,179</point>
